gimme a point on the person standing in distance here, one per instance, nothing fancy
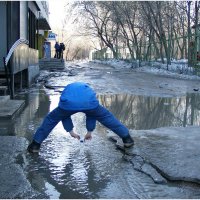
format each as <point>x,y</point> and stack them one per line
<point>61,50</point>
<point>79,97</point>
<point>57,50</point>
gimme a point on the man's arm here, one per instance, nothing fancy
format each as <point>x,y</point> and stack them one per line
<point>88,136</point>
<point>90,126</point>
<point>74,135</point>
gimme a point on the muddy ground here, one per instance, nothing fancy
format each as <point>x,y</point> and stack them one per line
<point>105,79</point>
<point>162,113</point>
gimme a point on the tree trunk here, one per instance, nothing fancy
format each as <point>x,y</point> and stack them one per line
<point>189,34</point>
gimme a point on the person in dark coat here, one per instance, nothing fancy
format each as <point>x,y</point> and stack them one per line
<point>57,49</point>
<point>62,48</point>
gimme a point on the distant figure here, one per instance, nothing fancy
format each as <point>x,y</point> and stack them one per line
<point>79,97</point>
<point>57,49</point>
<point>62,48</point>
<point>45,47</point>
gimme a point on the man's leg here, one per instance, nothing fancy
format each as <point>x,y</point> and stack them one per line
<point>110,121</point>
<point>49,122</point>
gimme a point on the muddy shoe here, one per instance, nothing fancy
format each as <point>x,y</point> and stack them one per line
<point>34,147</point>
<point>128,141</point>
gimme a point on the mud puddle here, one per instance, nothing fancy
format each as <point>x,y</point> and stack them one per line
<point>66,168</point>
<point>144,112</point>
<point>136,112</point>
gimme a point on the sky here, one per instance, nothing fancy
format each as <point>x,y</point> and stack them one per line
<point>56,10</point>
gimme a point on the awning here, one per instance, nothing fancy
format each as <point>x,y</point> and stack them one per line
<point>43,24</point>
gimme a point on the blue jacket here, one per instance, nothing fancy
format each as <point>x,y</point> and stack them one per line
<point>57,47</point>
<point>78,96</point>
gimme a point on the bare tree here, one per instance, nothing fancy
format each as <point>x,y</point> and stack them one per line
<point>180,29</point>
<point>101,24</point>
<point>126,15</point>
<point>148,29</point>
<point>153,15</point>
<point>196,26</point>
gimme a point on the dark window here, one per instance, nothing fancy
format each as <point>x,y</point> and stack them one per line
<point>13,20</point>
<point>32,27</point>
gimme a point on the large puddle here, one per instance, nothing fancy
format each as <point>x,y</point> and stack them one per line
<point>136,112</point>
<point>144,112</point>
<point>66,168</point>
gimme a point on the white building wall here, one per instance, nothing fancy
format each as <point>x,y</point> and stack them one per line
<point>24,19</point>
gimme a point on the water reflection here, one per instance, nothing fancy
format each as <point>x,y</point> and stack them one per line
<point>37,105</point>
<point>144,112</point>
<point>65,169</point>
<point>136,112</point>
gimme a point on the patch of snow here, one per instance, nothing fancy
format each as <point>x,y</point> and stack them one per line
<point>177,69</point>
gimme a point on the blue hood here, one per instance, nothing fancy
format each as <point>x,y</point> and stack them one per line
<point>78,96</point>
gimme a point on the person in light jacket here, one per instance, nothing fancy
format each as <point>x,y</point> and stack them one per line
<point>79,97</point>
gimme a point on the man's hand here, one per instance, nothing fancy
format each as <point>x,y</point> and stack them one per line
<point>74,135</point>
<point>88,136</point>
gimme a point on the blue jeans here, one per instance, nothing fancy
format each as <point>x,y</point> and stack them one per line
<point>100,114</point>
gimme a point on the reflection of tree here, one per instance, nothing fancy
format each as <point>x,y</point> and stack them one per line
<point>186,112</point>
<point>143,112</point>
<point>192,102</point>
<point>37,106</point>
<point>44,104</point>
<point>153,113</point>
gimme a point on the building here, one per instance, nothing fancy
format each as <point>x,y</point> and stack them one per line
<point>27,20</point>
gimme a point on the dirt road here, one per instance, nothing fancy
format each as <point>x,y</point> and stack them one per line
<point>66,168</point>
<point>105,79</point>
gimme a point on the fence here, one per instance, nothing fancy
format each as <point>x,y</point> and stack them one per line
<point>177,48</point>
